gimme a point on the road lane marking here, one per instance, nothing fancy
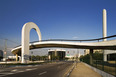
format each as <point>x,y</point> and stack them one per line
<point>29,66</point>
<point>5,74</point>
<point>34,68</point>
<point>14,70</point>
<point>21,71</point>
<point>31,69</point>
<point>43,73</point>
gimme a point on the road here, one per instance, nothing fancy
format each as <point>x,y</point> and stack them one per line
<point>58,69</point>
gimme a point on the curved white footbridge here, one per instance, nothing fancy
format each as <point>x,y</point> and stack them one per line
<point>24,48</point>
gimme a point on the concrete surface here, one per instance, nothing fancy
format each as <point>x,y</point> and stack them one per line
<point>81,70</point>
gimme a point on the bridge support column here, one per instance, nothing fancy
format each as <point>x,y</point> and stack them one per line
<point>16,57</point>
<point>105,55</point>
<point>91,56</point>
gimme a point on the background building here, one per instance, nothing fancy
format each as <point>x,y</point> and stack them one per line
<point>94,51</point>
<point>13,58</point>
<point>110,54</point>
<point>57,54</point>
<point>1,55</point>
<point>111,57</point>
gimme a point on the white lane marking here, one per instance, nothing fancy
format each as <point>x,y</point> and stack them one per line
<point>31,69</point>
<point>43,73</point>
<point>14,70</point>
<point>5,74</point>
<point>34,68</point>
<point>37,65</point>
<point>20,71</point>
<point>29,66</point>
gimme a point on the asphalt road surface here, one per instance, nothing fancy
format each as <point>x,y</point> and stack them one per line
<point>59,69</point>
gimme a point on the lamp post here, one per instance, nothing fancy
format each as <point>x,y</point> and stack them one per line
<point>31,55</point>
<point>5,49</point>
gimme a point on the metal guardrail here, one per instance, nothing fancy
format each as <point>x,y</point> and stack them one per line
<point>107,67</point>
<point>76,40</point>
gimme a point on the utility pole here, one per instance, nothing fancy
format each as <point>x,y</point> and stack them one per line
<point>31,55</point>
<point>5,50</point>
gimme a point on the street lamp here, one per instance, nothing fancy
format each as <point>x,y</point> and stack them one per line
<point>5,49</point>
<point>31,55</point>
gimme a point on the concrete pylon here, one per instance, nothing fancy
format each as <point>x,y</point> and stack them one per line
<point>25,39</point>
<point>16,57</point>
<point>104,32</point>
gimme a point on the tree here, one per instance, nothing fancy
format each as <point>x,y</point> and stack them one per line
<point>96,56</point>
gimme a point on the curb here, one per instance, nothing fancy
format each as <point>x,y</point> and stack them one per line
<point>71,70</point>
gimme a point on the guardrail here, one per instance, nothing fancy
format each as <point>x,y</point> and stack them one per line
<point>107,67</point>
<point>98,39</point>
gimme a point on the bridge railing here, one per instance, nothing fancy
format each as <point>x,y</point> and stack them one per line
<point>98,39</point>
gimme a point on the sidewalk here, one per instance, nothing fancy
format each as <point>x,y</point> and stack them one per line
<point>81,70</point>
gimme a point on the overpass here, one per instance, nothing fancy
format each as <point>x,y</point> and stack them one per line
<point>108,45</point>
<point>23,50</point>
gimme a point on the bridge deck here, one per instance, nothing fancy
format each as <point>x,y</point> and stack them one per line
<point>111,44</point>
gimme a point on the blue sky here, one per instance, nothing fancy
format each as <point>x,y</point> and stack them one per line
<point>57,19</point>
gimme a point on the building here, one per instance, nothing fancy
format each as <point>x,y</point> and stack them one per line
<point>94,51</point>
<point>57,54</point>
<point>111,57</point>
<point>13,58</point>
<point>110,54</point>
<point>1,55</point>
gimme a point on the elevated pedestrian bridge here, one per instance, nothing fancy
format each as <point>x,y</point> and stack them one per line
<point>23,50</point>
<point>82,44</point>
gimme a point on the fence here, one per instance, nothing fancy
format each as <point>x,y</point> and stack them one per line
<point>109,66</point>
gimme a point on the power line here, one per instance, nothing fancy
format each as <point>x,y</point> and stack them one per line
<point>13,41</point>
<point>10,41</point>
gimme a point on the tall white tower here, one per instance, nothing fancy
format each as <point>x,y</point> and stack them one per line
<point>104,24</point>
<point>104,32</point>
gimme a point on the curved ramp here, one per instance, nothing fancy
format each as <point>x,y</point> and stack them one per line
<point>64,44</point>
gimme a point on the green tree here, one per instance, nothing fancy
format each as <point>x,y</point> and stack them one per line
<point>96,56</point>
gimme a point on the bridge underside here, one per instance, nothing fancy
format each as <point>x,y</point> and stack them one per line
<point>32,46</point>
